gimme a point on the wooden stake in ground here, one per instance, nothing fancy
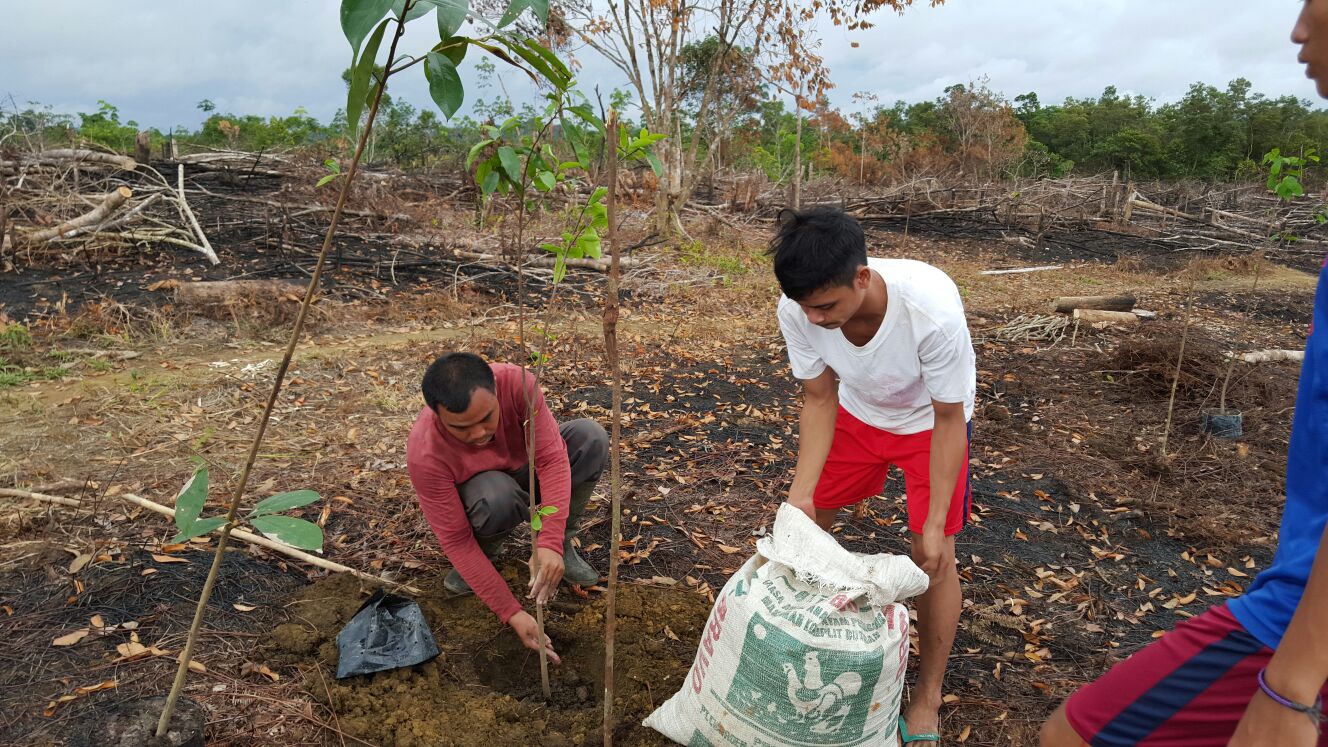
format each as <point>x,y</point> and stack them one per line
<point>1180,359</point>
<point>615,426</point>
<point>296,331</point>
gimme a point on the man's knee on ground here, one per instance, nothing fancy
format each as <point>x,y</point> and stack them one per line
<point>493,503</point>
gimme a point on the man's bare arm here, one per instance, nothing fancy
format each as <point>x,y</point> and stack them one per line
<point>816,431</point>
<point>1297,670</point>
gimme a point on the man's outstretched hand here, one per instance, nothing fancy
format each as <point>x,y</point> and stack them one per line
<point>527,630</point>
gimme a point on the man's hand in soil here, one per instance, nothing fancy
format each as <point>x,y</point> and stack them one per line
<point>545,583</point>
<point>527,630</point>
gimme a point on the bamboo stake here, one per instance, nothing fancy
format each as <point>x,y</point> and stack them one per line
<point>615,434</point>
<point>1180,358</point>
<point>186,655</point>
<point>29,495</point>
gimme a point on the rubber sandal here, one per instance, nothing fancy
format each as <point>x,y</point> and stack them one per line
<point>907,738</point>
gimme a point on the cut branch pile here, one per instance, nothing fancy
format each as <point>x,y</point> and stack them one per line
<point>68,202</point>
<point>1103,215</point>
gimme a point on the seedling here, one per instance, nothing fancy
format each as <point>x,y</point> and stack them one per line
<point>264,517</point>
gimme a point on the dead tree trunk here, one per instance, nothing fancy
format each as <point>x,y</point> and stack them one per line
<point>109,204</point>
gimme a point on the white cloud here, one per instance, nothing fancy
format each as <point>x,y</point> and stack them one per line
<point>156,59</point>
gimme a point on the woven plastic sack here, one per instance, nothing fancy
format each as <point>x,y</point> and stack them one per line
<point>806,645</point>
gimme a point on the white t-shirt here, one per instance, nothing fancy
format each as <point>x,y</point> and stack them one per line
<point>921,352</point>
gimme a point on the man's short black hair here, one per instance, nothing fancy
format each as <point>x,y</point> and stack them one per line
<point>453,378</point>
<point>816,248</point>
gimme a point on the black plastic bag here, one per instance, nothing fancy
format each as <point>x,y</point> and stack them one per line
<point>388,632</point>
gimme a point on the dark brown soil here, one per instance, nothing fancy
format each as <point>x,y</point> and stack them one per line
<point>484,690</point>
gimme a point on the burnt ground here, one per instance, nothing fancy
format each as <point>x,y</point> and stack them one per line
<point>1086,540</point>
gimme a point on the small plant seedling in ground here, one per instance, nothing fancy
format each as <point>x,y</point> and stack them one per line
<point>537,520</point>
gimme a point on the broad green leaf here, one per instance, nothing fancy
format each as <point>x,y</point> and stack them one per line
<point>359,78</point>
<point>588,245</point>
<point>557,74</point>
<point>284,502</point>
<point>451,16</point>
<point>325,180</point>
<point>444,84</point>
<point>545,181</point>
<point>541,8</point>
<point>548,510</point>
<point>189,503</point>
<point>200,528</point>
<point>454,48</point>
<point>358,18</point>
<point>559,269</point>
<point>491,182</point>
<point>548,55</point>
<point>305,535</point>
<point>511,163</point>
<point>536,523</point>
<point>587,115</point>
<point>417,10</point>
<point>513,11</point>
<point>475,151</point>
<point>332,165</point>
<point>654,162</point>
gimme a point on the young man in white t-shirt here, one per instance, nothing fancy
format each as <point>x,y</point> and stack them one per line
<point>889,375</point>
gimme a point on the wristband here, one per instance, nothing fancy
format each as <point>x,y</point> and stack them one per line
<point>1313,712</point>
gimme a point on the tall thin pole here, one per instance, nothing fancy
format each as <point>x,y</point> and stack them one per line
<point>164,722</point>
<point>615,432</point>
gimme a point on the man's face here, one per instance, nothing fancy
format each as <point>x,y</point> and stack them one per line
<point>475,426</point>
<point>832,306</point>
<point>1311,33</point>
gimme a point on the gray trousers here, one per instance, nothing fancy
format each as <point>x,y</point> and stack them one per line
<point>497,502</point>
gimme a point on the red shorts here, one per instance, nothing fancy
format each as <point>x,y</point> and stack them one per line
<point>860,458</point>
<point>1189,688</point>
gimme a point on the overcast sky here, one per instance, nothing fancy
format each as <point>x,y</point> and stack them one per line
<point>155,59</point>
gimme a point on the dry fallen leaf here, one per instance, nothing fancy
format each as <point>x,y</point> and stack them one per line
<point>963,735</point>
<point>70,639</point>
<point>194,664</point>
<point>78,563</point>
<point>168,559</point>
<point>668,632</point>
<point>244,607</point>
<point>250,667</point>
<point>728,549</point>
<point>1238,574</point>
<point>148,571</point>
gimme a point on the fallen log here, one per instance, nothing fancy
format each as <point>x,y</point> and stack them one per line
<point>602,265</point>
<point>109,204</point>
<point>226,292</point>
<point>1042,268</point>
<point>1066,304</point>
<point>65,155</point>
<point>1095,316</point>
<point>1273,356</point>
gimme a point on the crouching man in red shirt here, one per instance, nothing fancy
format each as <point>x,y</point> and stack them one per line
<point>467,460</point>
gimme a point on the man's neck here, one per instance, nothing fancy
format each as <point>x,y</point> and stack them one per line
<point>864,325</point>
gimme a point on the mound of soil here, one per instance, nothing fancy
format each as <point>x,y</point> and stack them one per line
<point>484,689</point>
